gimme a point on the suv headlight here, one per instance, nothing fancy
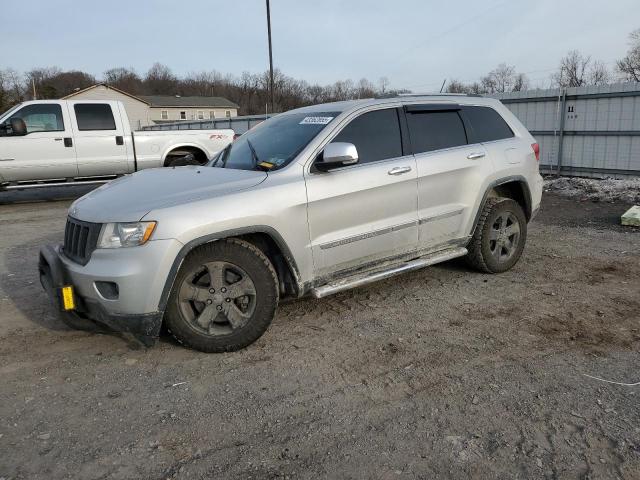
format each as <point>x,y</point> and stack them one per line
<point>116,235</point>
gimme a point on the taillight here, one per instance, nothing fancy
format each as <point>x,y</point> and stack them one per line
<point>536,150</point>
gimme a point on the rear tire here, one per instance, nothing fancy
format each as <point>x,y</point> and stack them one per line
<point>499,237</point>
<point>224,297</point>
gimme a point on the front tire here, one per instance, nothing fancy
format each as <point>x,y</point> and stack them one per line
<point>499,237</point>
<point>224,297</point>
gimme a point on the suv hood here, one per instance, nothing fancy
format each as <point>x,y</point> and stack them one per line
<point>129,198</point>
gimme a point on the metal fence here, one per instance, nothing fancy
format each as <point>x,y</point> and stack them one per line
<point>584,131</point>
<point>237,124</point>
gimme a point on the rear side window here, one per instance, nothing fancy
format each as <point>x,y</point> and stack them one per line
<point>435,130</point>
<point>487,125</point>
<point>94,116</point>
<point>376,135</point>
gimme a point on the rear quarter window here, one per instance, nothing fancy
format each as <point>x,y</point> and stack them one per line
<point>486,125</point>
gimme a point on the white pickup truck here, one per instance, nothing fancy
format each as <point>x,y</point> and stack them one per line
<point>53,142</point>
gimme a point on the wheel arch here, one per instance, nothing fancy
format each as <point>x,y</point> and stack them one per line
<point>264,237</point>
<point>190,147</point>
<point>514,187</point>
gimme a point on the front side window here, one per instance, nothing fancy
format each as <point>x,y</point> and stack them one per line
<point>94,116</point>
<point>376,135</point>
<point>435,130</point>
<point>487,124</point>
<point>276,141</point>
<point>43,117</point>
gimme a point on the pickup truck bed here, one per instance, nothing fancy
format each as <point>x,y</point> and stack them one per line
<point>60,141</point>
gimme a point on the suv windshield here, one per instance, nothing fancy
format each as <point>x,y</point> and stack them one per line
<point>274,143</point>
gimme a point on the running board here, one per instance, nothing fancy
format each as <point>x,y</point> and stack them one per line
<point>370,277</point>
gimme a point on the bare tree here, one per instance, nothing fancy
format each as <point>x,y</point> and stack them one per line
<point>125,79</point>
<point>365,89</point>
<point>572,71</point>
<point>384,85</point>
<point>629,66</point>
<point>11,89</point>
<point>499,80</point>
<point>599,74</point>
<point>578,70</point>
<point>520,83</point>
<point>456,86</point>
<point>160,80</point>
<point>54,83</point>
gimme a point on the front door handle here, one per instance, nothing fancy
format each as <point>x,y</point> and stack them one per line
<point>7,159</point>
<point>475,155</point>
<point>399,170</point>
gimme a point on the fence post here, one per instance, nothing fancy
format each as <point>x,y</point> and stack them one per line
<point>563,108</point>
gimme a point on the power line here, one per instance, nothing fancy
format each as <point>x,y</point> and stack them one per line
<point>446,32</point>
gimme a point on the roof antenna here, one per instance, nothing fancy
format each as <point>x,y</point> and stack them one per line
<point>442,87</point>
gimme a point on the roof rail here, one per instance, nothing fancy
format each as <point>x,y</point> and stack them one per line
<point>439,94</point>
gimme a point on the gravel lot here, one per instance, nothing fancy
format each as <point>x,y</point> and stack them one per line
<point>441,373</point>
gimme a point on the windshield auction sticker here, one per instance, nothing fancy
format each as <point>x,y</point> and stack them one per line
<point>315,120</point>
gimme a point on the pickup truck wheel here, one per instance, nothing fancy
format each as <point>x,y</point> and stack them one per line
<point>499,238</point>
<point>224,297</point>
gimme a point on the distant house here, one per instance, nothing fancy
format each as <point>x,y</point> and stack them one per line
<point>144,110</point>
<point>167,108</point>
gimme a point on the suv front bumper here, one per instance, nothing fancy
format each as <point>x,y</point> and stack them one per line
<point>139,274</point>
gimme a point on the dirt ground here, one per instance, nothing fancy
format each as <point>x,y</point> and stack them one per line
<point>441,373</point>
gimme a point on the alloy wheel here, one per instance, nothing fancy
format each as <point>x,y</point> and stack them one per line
<point>217,298</point>
<point>504,236</point>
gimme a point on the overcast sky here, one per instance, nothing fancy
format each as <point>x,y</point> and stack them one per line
<point>415,43</point>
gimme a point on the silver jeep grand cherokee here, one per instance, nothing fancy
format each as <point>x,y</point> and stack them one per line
<point>313,201</point>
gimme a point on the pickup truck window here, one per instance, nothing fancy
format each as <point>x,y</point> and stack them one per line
<point>276,141</point>
<point>45,117</point>
<point>376,135</point>
<point>435,130</point>
<point>94,116</point>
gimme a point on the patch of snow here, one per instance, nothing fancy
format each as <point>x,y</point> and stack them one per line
<point>605,190</point>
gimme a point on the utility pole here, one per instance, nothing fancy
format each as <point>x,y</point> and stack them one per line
<point>33,84</point>
<point>270,57</point>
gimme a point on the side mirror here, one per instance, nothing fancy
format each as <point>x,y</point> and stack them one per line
<point>337,154</point>
<point>18,127</point>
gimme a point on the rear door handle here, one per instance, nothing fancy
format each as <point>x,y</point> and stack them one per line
<point>475,155</point>
<point>399,170</point>
<point>7,159</point>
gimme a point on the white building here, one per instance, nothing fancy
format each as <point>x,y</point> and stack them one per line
<point>146,110</point>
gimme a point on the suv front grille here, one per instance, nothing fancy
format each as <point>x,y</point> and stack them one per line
<point>80,240</point>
